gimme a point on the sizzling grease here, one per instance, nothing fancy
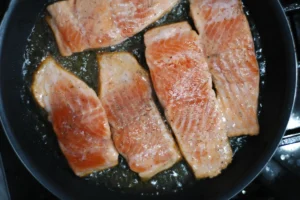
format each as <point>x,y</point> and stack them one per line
<point>41,42</point>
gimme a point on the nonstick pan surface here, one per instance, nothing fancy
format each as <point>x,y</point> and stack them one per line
<point>23,123</point>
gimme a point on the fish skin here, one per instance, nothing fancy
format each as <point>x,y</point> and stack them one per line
<point>77,116</point>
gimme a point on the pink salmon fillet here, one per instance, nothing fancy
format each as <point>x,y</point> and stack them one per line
<point>79,25</point>
<point>228,44</point>
<point>139,132</point>
<point>183,84</point>
<point>77,116</point>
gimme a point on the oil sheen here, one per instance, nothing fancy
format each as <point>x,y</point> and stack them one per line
<point>41,43</point>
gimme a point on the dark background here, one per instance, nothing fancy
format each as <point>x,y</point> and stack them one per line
<point>279,180</point>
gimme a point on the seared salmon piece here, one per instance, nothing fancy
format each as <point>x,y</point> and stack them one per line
<point>228,43</point>
<point>139,132</point>
<point>221,24</point>
<point>236,78</point>
<point>77,116</point>
<point>87,24</point>
<point>183,84</point>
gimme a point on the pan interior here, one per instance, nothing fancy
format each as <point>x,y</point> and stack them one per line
<point>41,43</point>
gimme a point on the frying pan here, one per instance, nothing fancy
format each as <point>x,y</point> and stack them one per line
<point>277,100</point>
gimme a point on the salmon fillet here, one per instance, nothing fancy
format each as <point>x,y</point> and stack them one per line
<point>228,44</point>
<point>77,116</point>
<point>87,24</point>
<point>183,84</point>
<point>236,78</point>
<point>221,24</point>
<point>139,132</point>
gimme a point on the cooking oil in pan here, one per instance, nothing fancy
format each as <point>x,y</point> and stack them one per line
<point>41,43</point>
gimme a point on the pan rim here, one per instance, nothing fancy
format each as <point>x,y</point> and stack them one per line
<point>289,102</point>
<point>7,128</point>
<point>253,172</point>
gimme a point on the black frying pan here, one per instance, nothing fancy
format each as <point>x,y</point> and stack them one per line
<point>51,169</point>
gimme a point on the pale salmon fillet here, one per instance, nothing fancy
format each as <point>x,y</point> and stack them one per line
<point>236,78</point>
<point>86,24</point>
<point>228,43</point>
<point>139,132</point>
<point>77,116</point>
<point>183,84</point>
<point>221,24</point>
